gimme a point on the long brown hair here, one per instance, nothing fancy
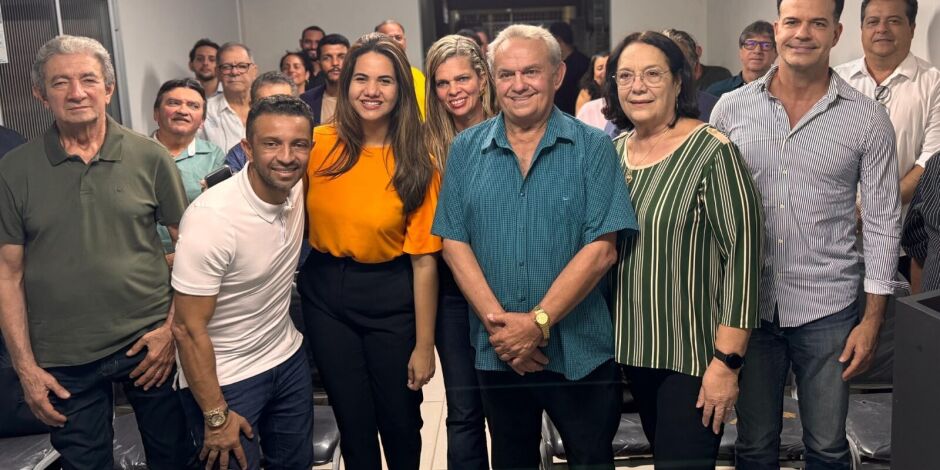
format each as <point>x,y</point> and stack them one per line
<point>413,167</point>
<point>440,128</point>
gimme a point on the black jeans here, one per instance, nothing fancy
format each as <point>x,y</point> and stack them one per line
<point>86,440</point>
<point>586,413</point>
<point>673,425</point>
<point>466,430</point>
<point>361,326</point>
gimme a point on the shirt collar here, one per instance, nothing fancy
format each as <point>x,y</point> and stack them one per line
<point>268,212</point>
<point>837,86</point>
<point>190,150</point>
<point>110,149</point>
<point>558,128</point>
<point>907,68</point>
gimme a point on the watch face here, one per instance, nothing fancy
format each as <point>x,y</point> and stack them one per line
<point>734,361</point>
<point>215,420</point>
<point>541,318</point>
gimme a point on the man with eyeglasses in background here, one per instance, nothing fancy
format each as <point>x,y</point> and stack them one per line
<point>907,86</point>
<point>757,52</point>
<point>227,112</point>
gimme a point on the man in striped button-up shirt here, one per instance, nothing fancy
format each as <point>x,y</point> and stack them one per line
<point>811,141</point>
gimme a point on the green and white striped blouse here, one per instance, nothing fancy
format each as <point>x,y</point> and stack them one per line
<point>696,261</point>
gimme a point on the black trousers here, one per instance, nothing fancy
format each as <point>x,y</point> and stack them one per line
<point>360,323</point>
<point>673,425</point>
<point>586,413</point>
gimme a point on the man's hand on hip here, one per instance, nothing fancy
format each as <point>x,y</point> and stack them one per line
<point>155,368</point>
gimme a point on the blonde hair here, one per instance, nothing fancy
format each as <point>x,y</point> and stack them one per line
<point>440,129</point>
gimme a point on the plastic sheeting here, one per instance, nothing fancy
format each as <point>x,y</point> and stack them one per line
<point>26,452</point>
<point>868,424</point>
<point>128,448</point>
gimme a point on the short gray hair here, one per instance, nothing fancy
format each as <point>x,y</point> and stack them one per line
<point>525,31</point>
<point>65,44</point>
<point>271,78</point>
<point>233,45</point>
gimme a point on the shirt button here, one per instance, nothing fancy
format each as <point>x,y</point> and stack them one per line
<point>522,263</point>
<point>522,194</point>
<point>522,299</point>
<point>784,171</point>
<point>783,206</point>
<point>780,241</point>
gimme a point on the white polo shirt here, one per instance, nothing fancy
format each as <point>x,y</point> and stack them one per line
<point>243,250</point>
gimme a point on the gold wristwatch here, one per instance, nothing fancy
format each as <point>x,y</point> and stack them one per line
<point>216,417</point>
<point>542,320</point>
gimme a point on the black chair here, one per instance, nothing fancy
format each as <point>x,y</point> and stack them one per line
<point>632,448</point>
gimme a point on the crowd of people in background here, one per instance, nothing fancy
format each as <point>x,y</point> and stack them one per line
<point>695,232</point>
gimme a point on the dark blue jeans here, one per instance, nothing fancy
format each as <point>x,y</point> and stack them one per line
<point>466,434</point>
<point>86,440</point>
<point>813,351</point>
<point>278,404</point>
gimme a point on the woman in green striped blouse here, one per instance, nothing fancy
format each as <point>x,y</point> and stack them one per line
<point>686,291</point>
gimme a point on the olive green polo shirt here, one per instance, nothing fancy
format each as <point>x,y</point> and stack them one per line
<point>94,271</point>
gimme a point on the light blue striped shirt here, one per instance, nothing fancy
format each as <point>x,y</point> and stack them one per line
<point>808,177</point>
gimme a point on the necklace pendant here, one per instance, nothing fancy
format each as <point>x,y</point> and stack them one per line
<point>629,176</point>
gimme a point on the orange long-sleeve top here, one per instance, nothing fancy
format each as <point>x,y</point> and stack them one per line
<point>359,214</point>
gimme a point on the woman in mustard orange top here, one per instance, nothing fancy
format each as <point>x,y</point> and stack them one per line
<point>369,287</point>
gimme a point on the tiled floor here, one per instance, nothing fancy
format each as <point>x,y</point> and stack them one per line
<point>434,432</point>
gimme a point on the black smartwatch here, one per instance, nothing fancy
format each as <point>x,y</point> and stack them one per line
<point>734,361</point>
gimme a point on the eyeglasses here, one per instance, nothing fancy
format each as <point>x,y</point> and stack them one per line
<point>651,77</point>
<point>882,94</point>
<point>241,67</point>
<point>752,44</point>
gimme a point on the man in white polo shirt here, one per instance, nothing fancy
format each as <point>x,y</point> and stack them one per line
<point>242,368</point>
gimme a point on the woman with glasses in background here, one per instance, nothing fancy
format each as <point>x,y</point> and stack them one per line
<point>686,286</point>
<point>461,95</point>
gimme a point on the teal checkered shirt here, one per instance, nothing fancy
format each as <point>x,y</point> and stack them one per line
<point>524,231</point>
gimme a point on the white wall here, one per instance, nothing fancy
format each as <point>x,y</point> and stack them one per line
<point>154,39</point>
<point>629,16</point>
<point>716,24</point>
<point>726,19</point>
<point>272,26</point>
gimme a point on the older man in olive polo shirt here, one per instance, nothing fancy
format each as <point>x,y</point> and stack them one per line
<point>84,286</point>
<point>529,211</point>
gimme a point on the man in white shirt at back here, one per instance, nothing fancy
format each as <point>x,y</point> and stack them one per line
<point>244,373</point>
<point>227,112</point>
<point>908,86</point>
